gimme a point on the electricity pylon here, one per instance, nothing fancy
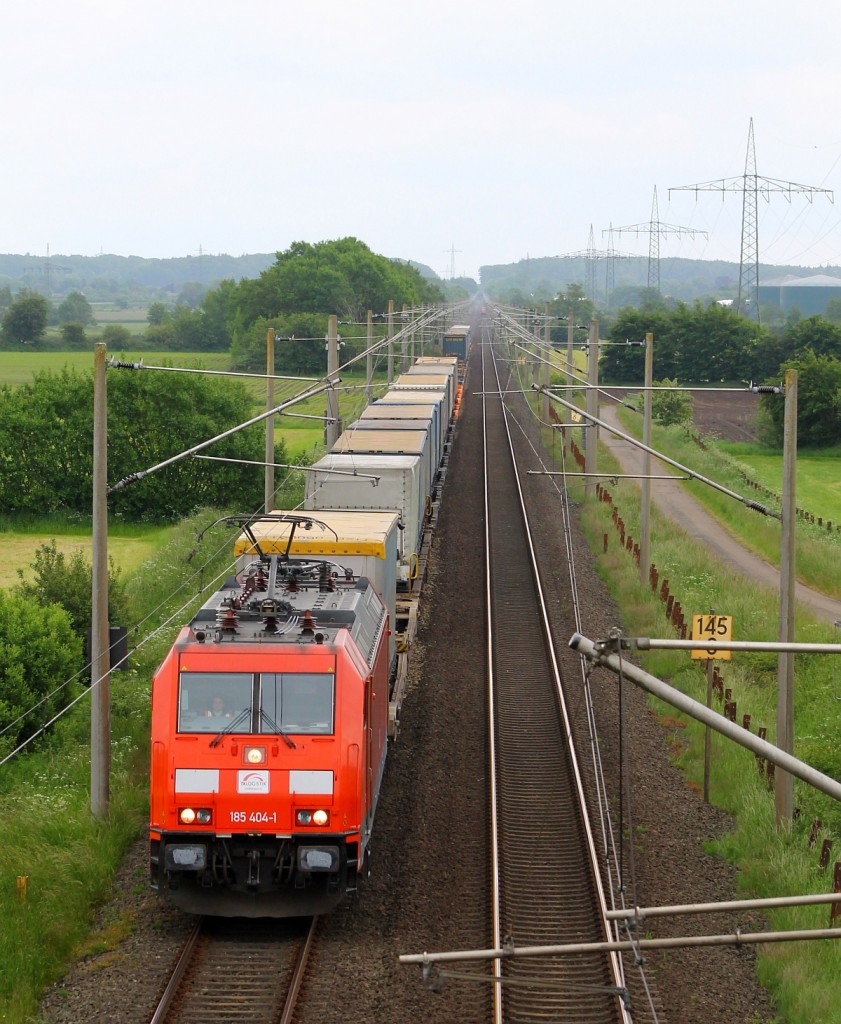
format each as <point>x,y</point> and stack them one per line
<point>452,251</point>
<point>655,228</point>
<point>752,185</point>
<point>591,255</point>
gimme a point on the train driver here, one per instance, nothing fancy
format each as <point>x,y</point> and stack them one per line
<point>217,708</point>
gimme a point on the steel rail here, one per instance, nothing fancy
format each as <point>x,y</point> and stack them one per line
<point>186,955</point>
<point>496,926</point>
<point>297,981</point>
<point>616,967</point>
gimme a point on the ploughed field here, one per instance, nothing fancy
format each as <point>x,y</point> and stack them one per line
<point>729,415</point>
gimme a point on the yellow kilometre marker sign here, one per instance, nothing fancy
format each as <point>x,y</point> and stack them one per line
<point>711,627</point>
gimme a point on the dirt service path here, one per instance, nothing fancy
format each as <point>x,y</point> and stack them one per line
<point>674,502</point>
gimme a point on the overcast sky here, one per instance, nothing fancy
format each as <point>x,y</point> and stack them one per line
<point>498,130</point>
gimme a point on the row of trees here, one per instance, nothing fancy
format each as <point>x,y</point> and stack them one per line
<point>26,317</point>
<point>714,344</point>
<point>305,284</point>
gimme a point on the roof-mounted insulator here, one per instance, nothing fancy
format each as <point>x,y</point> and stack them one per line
<point>307,624</point>
<point>325,578</point>
<point>227,621</point>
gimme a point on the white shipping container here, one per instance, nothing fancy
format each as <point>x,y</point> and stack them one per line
<point>399,488</point>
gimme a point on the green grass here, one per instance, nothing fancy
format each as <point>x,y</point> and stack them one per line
<point>818,475</point>
<point>818,554</point>
<point>47,834</point>
<point>128,546</point>
<point>802,976</point>
<point>20,367</point>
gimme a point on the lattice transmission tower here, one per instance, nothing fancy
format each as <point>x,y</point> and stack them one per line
<point>655,229</point>
<point>452,251</point>
<point>591,255</point>
<point>752,185</point>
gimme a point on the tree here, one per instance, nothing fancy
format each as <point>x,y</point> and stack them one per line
<point>815,334</point>
<point>832,312</point>
<point>160,335</point>
<point>670,407</point>
<point>157,314</point>
<point>299,345</point>
<point>151,418</point>
<point>65,581</point>
<point>75,309</point>
<point>216,310</point>
<point>73,335</point>
<point>342,277</point>
<point>818,402</point>
<point>624,359</point>
<point>26,319</point>
<point>38,652</point>
<point>191,294</point>
<point>116,336</point>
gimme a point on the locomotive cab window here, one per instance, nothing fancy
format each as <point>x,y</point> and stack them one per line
<point>213,701</point>
<point>297,702</point>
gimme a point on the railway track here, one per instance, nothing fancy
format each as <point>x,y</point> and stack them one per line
<point>235,972</point>
<point>546,876</point>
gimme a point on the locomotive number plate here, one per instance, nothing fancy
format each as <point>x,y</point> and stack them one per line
<point>253,818</point>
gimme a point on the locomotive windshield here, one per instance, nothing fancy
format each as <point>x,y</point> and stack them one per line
<point>299,702</point>
<point>265,702</point>
<point>209,701</point>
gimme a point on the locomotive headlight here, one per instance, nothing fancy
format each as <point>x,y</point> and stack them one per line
<point>255,755</point>
<point>319,817</point>
<point>188,815</point>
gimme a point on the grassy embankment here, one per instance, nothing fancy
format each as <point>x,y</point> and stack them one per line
<point>818,558</point>
<point>47,834</point>
<point>801,976</point>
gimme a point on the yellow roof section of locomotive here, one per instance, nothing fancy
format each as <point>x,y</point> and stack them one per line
<point>347,533</point>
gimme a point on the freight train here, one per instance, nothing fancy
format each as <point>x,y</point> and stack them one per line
<point>457,340</point>
<point>273,710</point>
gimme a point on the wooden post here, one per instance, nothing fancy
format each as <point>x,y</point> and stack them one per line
<point>369,360</point>
<point>100,655</point>
<point>390,340</point>
<point>268,492</point>
<point>784,783</point>
<point>567,434</point>
<point>708,736</point>
<point>332,428</point>
<point>591,439</point>
<point>645,498</point>
<point>547,348</point>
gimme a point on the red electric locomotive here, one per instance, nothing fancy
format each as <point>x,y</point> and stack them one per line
<point>270,721</point>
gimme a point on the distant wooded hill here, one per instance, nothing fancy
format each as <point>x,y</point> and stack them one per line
<point>137,280</point>
<point>543,278</point>
<point>131,280</point>
<point>107,277</point>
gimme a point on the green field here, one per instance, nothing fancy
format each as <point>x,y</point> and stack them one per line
<point>818,475</point>
<point>129,552</point>
<point>20,367</point>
